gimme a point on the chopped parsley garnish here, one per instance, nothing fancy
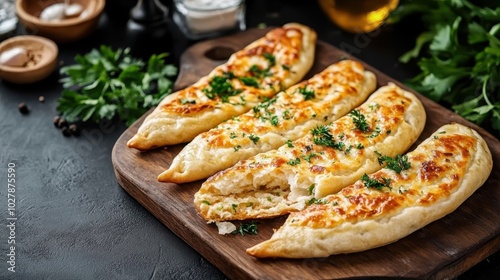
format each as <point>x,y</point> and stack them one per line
<point>310,191</point>
<point>398,163</point>
<point>360,146</point>
<point>315,201</point>
<point>348,150</point>
<point>325,138</point>
<point>271,59</point>
<point>187,101</point>
<point>254,138</point>
<point>259,73</point>
<point>264,105</point>
<point>234,206</point>
<point>247,228</point>
<point>249,81</point>
<point>359,120</point>
<point>206,202</point>
<point>237,148</point>
<point>294,161</point>
<point>376,184</point>
<point>376,133</point>
<point>374,106</point>
<point>220,86</point>
<point>307,93</point>
<point>274,120</point>
<point>289,143</point>
<point>309,156</point>
<point>232,135</point>
<point>286,67</point>
<point>287,115</point>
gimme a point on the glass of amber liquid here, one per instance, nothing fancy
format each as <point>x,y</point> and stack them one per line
<point>358,16</point>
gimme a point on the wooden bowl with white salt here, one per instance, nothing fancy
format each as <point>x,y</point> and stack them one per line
<point>62,21</point>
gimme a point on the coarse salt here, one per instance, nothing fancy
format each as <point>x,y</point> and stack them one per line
<point>202,16</point>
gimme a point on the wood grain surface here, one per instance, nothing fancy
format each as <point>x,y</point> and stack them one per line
<point>443,249</point>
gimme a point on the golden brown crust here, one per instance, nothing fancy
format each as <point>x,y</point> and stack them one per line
<point>288,116</point>
<point>186,113</point>
<point>321,163</point>
<point>445,170</point>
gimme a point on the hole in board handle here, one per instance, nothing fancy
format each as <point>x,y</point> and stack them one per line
<point>219,53</point>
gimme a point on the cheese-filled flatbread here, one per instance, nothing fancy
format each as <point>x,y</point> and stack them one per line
<point>381,208</point>
<point>274,62</point>
<point>288,116</point>
<point>324,161</point>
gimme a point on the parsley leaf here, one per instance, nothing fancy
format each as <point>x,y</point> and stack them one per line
<point>307,93</point>
<point>374,183</point>
<point>359,120</point>
<point>254,138</point>
<point>106,83</point>
<point>325,138</point>
<point>398,163</point>
<point>458,54</point>
<point>220,86</point>
<point>247,228</point>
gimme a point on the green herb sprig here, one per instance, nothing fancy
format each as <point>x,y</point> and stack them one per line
<point>397,163</point>
<point>105,83</point>
<point>359,120</point>
<point>376,184</point>
<point>458,53</point>
<point>247,228</point>
<point>220,86</point>
<point>323,137</point>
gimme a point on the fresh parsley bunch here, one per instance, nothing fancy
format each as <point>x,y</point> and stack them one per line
<point>459,56</point>
<point>106,83</point>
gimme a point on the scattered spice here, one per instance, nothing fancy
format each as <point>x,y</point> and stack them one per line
<point>56,121</point>
<point>23,108</point>
<point>62,123</point>
<point>74,129</point>
<point>65,131</point>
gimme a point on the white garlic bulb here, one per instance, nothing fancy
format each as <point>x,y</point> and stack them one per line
<point>15,57</point>
<point>73,10</point>
<point>53,12</point>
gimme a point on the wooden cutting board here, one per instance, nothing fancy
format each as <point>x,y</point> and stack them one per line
<point>443,249</point>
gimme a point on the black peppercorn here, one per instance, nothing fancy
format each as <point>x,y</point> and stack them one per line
<point>23,108</point>
<point>65,131</point>
<point>74,129</point>
<point>56,121</point>
<point>62,123</point>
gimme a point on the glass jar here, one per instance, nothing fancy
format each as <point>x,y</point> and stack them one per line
<point>358,16</point>
<point>8,17</point>
<point>209,18</point>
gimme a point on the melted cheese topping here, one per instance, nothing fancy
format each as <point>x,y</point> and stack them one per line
<point>284,114</point>
<point>269,62</point>
<point>327,159</point>
<point>424,186</point>
<point>290,115</point>
<point>437,168</point>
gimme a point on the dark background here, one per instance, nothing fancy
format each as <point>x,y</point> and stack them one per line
<point>74,220</point>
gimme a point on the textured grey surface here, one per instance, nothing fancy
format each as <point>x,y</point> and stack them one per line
<point>74,220</point>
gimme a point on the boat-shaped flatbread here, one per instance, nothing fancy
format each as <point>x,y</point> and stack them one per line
<point>274,62</point>
<point>290,115</point>
<point>324,161</point>
<point>381,208</point>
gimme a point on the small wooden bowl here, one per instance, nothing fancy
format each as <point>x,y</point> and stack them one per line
<point>63,31</point>
<point>44,51</point>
